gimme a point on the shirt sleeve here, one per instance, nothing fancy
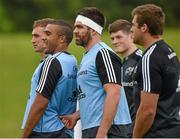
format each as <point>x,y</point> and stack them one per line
<point>51,72</point>
<point>108,66</point>
<point>151,73</point>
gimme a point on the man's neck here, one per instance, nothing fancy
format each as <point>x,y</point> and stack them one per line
<point>61,48</point>
<point>43,55</point>
<point>131,50</point>
<point>150,40</point>
<point>92,42</point>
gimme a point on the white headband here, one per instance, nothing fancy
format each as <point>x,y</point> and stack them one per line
<point>88,22</point>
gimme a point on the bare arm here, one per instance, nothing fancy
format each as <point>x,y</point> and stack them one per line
<point>35,114</point>
<point>110,108</point>
<point>145,114</point>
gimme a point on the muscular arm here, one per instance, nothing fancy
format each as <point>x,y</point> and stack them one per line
<point>35,114</point>
<point>145,114</point>
<point>110,108</point>
<point>108,67</point>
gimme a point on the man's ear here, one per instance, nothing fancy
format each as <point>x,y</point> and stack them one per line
<point>62,38</point>
<point>93,32</point>
<point>144,28</point>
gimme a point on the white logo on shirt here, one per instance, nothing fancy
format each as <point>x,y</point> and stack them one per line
<point>178,88</point>
<point>129,71</point>
<point>171,55</point>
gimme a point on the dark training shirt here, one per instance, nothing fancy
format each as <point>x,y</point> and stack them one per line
<point>159,73</point>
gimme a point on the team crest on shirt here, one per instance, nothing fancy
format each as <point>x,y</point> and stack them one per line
<point>129,71</point>
<point>135,69</point>
<point>178,88</point>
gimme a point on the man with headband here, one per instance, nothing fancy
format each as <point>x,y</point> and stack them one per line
<point>103,106</point>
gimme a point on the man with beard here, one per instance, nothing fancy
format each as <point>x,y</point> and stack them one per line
<point>102,102</point>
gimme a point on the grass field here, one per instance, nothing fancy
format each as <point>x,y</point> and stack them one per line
<point>18,62</point>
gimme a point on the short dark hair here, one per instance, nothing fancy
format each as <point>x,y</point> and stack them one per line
<point>120,24</point>
<point>94,14</point>
<point>65,29</point>
<point>42,22</point>
<point>152,15</point>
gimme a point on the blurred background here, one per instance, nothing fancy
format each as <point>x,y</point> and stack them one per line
<point>18,60</point>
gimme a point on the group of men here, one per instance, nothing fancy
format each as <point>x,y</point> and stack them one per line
<point>136,97</point>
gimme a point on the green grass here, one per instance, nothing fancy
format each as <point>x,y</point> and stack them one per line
<point>18,62</point>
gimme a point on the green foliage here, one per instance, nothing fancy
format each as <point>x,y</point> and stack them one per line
<point>6,24</point>
<point>18,15</point>
<point>18,62</point>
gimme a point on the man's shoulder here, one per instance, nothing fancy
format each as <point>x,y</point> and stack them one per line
<point>106,53</point>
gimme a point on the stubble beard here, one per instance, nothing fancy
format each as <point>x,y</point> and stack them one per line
<point>84,42</point>
<point>80,43</point>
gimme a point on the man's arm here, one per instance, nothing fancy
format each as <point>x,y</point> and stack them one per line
<point>50,74</point>
<point>108,66</point>
<point>35,114</point>
<point>145,114</point>
<point>110,108</point>
<point>70,120</point>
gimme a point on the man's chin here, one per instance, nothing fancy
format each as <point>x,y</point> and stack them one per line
<point>80,43</point>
